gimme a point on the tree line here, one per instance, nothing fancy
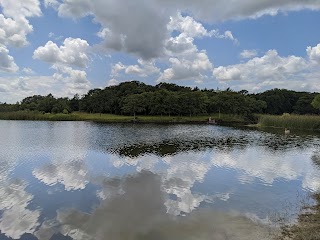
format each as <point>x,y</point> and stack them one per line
<point>131,98</point>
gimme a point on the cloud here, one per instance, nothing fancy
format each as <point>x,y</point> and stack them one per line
<point>28,71</point>
<point>73,52</point>
<point>14,28</point>
<point>314,53</point>
<point>21,8</point>
<point>3,88</point>
<point>188,25</point>
<point>51,3</point>
<point>137,28</point>
<point>180,45</point>
<point>143,68</point>
<point>72,75</point>
<point>14,25</point>
<point>18,88</point>
<point>14,32</point>
<point>248,53</point>
<point>112,82</point>
<point>7,63</point>
<point>221,11</point>
<point>14,88</point>
<point>272,71</point>
<point>204,10</point>
<point>192,67</point>
<point>122,32</point>
<point>186,62</point>
<point>142,28</point>
<point>75,80</point>
<point>229,35</point>
<point>116,68</point>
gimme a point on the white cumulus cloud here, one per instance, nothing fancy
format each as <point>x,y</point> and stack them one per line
<point>112,82</point>
<point>314,53</point>
<point>144,68</point>
<point>269,66</point>
<point>73,52</point>
<point>273,70</point>
<point>7,63</point>
<point>14,28</point>
<point>14,32</point>
<point>21,8</point>
<point>192,67</point>
<point>188,25</point>
<point>64,59</point>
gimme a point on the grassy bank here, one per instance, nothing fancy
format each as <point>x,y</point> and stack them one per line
<point>290,121</point>
<point>96,117</point>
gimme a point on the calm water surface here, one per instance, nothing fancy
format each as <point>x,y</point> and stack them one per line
<point>81,180</point>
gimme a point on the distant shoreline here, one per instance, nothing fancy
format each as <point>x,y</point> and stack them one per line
<point>262,120</point>
<point>110,118</point>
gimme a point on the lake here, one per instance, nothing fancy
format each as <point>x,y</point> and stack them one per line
<point>83,180</point>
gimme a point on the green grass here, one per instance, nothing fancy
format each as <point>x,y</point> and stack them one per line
<point>290,121</point>
<point>96,117</point>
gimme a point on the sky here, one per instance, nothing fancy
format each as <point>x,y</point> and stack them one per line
<point>68,47</point>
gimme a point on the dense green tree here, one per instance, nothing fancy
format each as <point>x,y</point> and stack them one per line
<point>170,99</point>
<point>91,102</point>
<point>316,102</point>
<point>134,104</point>
<point>46,103</point>
<point>75,103</point>
<point>31,103</point>
<point>304,106</point>
<point>279,100</point>
<point>61,106</point>
<point>4,107</point>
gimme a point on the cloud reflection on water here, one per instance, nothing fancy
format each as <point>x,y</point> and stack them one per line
<point>73,174</point>
<point>177,158</point>
<point>16,218</point>
<point>138,212</point>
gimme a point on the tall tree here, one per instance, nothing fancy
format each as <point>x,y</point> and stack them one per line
<point>134,104</point>
<point>316,102</point>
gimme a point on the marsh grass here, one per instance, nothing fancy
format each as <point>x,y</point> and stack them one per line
<point>37,116</point>
<point>96,117</point>
<point>290,121</point>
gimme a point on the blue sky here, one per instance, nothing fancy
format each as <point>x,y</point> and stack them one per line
<point>66,47</point>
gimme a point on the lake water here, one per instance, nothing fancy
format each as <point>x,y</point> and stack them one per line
<point>82,180</point>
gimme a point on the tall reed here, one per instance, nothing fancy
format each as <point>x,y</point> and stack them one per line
<point>290,121</point>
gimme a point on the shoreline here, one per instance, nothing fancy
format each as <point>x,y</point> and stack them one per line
<point>298,122</point>
<point>109,118</point>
